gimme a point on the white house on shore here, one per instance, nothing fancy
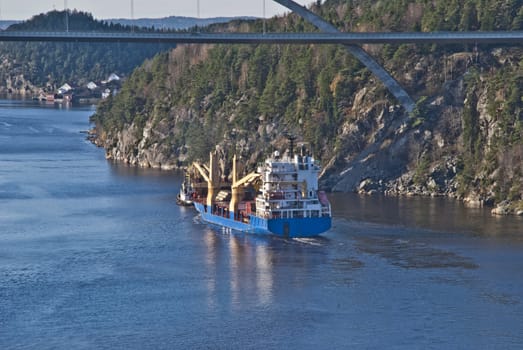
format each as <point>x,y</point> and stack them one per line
<point>64,88</point>
<point>112,77</point>
<point>92,85</point>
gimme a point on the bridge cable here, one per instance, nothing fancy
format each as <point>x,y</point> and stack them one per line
<point>132,16</point>
<point>66,9</point>
<point>264,19</point>
<point>198,16</point>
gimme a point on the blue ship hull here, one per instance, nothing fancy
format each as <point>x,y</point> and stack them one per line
<point>296,227</point>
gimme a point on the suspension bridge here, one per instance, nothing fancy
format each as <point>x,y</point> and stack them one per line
<point>328,35</point>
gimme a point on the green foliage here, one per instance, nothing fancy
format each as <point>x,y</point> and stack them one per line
<point>419,112</point>
<point>470,124</point>
<point>518,205</point>
<point>421,171</point>
<point>197,142</point>
<point>417,122</point>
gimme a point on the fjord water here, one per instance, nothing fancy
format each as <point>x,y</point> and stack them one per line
<point>95,255</point>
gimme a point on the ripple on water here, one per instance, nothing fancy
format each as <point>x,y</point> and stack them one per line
<point>501,298</point>
<point>408,254</point>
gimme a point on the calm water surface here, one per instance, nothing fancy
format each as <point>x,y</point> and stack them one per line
<point>98,256</point>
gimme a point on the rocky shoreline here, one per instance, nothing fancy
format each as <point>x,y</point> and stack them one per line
<point>127,149</point>
<point>442,181</point>
<point>456,143</point>
<point>406,186</point>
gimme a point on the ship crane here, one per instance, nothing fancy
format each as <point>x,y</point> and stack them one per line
<point>238,186</point>
<point>211,175</point>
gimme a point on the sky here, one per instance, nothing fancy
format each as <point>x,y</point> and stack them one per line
<point>102,9</point>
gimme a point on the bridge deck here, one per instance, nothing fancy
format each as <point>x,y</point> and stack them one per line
<point>500,37</point>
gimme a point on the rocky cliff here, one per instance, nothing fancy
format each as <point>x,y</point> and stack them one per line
<point>464,139</point>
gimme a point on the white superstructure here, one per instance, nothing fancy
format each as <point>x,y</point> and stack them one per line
<point>290,189</point>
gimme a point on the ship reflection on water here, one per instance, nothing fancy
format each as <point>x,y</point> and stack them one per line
<point>249,266</point>
<point>243,269</point>
<point>264,278</point>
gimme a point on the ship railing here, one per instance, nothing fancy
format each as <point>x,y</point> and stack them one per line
<point>326,210</point>
<point>294,213</point>
<point>282,204</point>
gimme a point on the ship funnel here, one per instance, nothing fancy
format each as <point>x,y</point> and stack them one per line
<point>303,150</point>
<point>291,139</point>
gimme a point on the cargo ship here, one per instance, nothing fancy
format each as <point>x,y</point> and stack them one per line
<point>280,198</point>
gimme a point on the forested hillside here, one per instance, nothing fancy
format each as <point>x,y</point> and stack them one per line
<point>26,67</point>
<point>464,139</point>
<point>174,22</point>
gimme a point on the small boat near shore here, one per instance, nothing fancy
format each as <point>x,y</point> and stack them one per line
<point>186,194</point>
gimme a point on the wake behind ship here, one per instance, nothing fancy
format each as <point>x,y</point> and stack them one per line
<point>280,198</point>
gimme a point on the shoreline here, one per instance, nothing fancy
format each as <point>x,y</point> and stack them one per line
<point>22,97</point>
<point>503,208</point>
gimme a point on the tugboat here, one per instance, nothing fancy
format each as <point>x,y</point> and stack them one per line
<point>186,194</point>
<point>280,198</point>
